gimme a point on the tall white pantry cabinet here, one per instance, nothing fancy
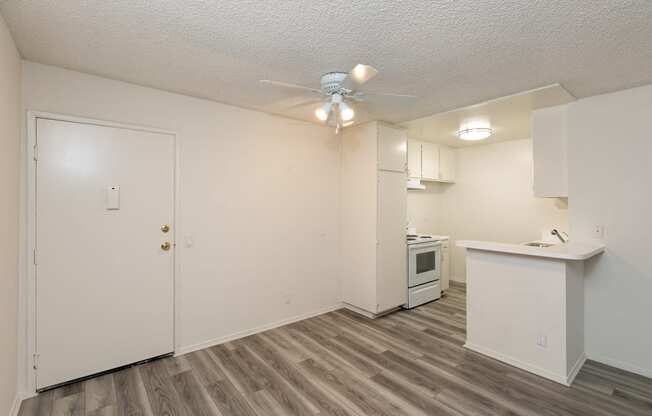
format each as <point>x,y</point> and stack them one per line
<point>373,217</point>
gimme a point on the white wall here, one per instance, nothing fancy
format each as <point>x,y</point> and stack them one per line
<point>492,199</point>
<point>259,197</point>
<point>425,208</point>
<point>9,157</point>
<point>610,177</point>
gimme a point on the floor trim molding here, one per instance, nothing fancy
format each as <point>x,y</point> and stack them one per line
<point>559,378</point>
<point>15,406</point>
<point>231,337</point>
<point>645,372</point>
<point>457,283</point>
<point>576,369</point>
<point>367,314</point>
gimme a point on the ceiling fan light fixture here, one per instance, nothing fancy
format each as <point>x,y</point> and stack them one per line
<point>323,111</point>
<point>476,133</point>
<point>346,112</point>
<point>335,88</point>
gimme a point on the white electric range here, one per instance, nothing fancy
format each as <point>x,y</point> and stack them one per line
<point>423,269</point>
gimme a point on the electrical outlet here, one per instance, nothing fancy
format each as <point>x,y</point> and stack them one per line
<point>598,231</point>
<point>542,341</point>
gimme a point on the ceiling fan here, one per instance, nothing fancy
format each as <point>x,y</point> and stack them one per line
<point>336,88</point>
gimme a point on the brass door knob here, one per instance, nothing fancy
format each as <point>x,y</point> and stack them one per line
<point>165,228</point>
<point>165,246</point>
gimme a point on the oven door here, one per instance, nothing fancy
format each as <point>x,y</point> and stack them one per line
<point>423,263</point>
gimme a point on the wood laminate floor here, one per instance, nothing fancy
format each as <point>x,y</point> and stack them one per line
<point>407,363</point>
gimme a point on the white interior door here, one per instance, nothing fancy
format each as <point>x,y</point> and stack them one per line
<point>104,283</point>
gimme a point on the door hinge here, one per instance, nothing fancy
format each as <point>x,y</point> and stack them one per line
<point>35,361</point>
<point>34,255</point>
<point>35,152</point>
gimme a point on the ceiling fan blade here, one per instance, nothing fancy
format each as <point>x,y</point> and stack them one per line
<point>388,94</point>
<point>359,75</point>
<point>303,103</point>
<point>362,73</point>
<point>288,85</point>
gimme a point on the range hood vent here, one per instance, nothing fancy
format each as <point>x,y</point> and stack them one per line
<point>415,184</point>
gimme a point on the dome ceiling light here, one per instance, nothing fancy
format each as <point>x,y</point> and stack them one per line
<point>475,133</point>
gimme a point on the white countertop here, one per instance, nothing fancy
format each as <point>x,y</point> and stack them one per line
<point>568,251</point>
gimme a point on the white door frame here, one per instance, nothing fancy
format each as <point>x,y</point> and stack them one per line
<point>29,229</point>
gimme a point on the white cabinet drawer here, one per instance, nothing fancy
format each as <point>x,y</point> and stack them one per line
<point>423,294</point>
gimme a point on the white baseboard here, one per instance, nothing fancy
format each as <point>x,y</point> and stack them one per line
<point>241,334</point>
<point>366,313</point>
<point>15,406</point>
<point>576,369</point>
<point>559,378</point>
<point>359,311</point>
<point>646,372</point>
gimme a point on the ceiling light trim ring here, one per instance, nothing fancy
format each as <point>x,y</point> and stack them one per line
<point>475,133</point>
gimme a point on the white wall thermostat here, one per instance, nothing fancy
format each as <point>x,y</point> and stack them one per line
<point>113,197</point>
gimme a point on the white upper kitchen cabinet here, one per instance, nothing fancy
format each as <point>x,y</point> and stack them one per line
<point>373,217</point>
<point>447,164</point>
<point>414,159</point>
<point>392,148</point>
<point>429,161</point>
<point>550,139</point>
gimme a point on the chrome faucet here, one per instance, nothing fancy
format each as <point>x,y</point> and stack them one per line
<point>557,234</point>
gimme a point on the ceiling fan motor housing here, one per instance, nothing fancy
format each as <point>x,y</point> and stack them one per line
<point>331,82</point>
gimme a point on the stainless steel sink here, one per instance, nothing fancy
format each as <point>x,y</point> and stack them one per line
<point>538,244</point>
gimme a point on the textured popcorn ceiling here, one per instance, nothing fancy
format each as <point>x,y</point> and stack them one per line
<point>449,53</point>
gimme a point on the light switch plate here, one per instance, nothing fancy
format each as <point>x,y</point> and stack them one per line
<point>113,197</point>
<point>542,341</point>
